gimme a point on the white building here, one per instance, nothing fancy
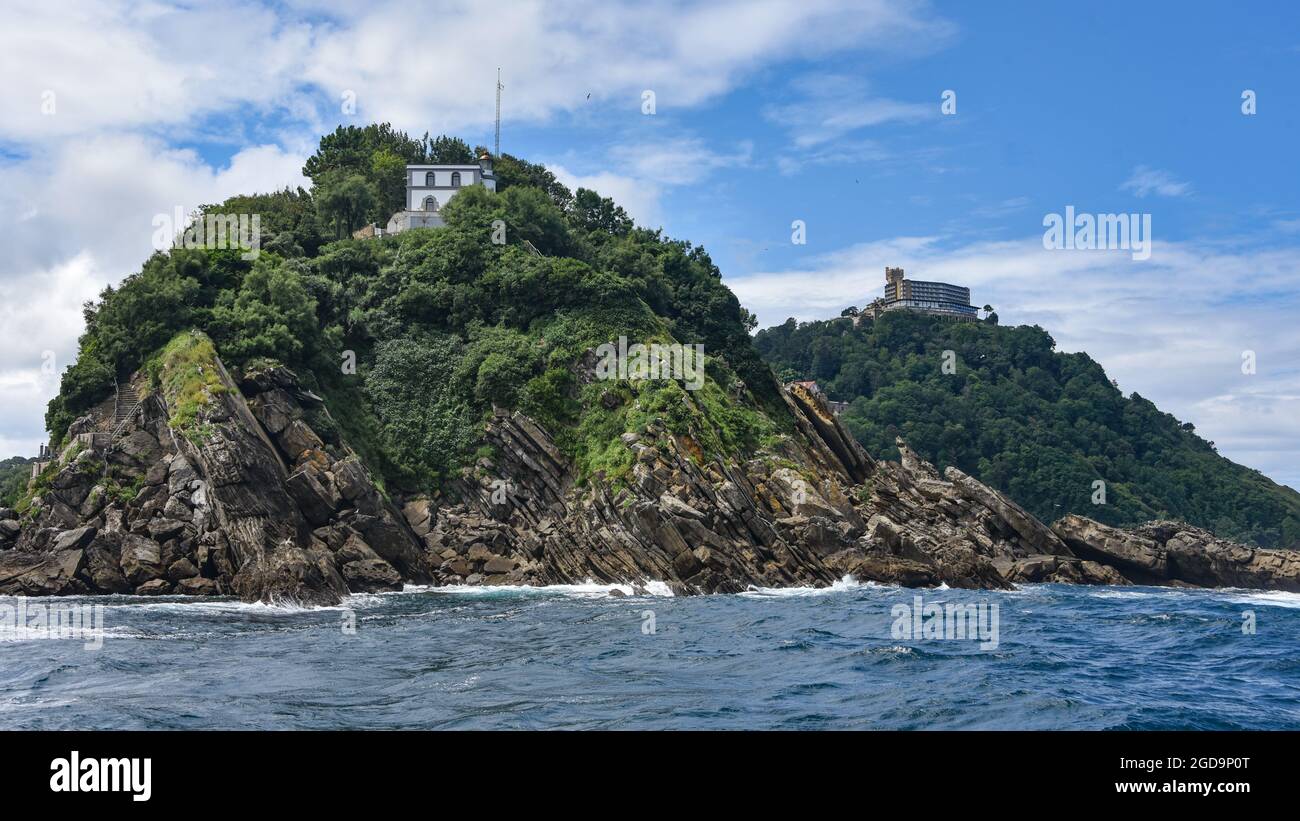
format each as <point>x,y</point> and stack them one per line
<point>430,187</point>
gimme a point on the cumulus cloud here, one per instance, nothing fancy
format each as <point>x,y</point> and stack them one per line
<point>80,217</point>
<point>1161,328</point>
<point>117,64</point>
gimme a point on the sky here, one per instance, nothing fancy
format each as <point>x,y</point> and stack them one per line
<point>937,136</point>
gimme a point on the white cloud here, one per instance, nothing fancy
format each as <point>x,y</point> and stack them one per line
<point>1161,327</point>
<point>828,107</point>
<point>1145,181</point>
<point>117,64</point>
<point>639,198</point>
<point>79,217</point>
<point>641,173</point>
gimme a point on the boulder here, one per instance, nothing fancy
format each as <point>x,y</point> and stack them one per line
<point>1133,554</point>
<point>103,566</point>
<point>316,499</point>
<point>419,514</point>
<point>499,564</point>
<point>181,569</point>
<point>371,575</point>
<point>141,560</point>
<point>154,587</point>
<point>196,586</point>
<point>162,528</point>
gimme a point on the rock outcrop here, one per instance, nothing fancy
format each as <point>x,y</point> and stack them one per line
<point>1166,552</point>
<point>255,504</point>
<point>256,499</point>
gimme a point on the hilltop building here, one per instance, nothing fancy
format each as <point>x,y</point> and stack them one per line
<point>430,187</point>
<point>939,298</point>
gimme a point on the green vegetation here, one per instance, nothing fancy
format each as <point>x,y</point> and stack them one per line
<point>185,372</point>
<point>14,475</point>
<point>1040,425</point>
<point>443,324</point>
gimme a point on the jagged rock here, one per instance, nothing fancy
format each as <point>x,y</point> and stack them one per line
<point>288,574</point>
<point>179,475</point>
<point>181,569</point>
<point>371,575</point>
<point>256,505</point>
<point>1037,535</point>
<point>419,515</point>
<point>154,587</point>
<point>74,539</point>
<point>1197,557</point>
<point>1131,552</point>
<point>139,446</point>
<point>298,438</point>
<point>315,497</point>
<point>103,568</point>
<point>161,529</point>
<point>196,586</point>
<point>351,478</point>
<point>176,509</point>
<point>141,559</point>
<point>499,564</point>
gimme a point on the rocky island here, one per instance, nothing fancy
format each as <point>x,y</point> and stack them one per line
<point>261,506</point>
<point>208,442</point>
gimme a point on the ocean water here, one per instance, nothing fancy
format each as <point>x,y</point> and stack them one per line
<point>577,658</point>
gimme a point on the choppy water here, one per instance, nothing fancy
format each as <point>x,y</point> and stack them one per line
<point>1067,657</point>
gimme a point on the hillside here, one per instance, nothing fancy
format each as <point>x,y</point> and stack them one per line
<point>1035,423</point>
<point>414,339</point>
<point>441,406</point>
<point>14,473</point>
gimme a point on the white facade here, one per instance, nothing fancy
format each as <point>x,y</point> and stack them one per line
<point>429,187</point>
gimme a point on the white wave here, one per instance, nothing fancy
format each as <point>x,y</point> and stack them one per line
<point>1267,598</point>
<point>587,589</point>
<point>844,585</point>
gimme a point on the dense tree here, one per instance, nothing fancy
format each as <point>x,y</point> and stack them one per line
<point>1040,425</point>
<point>345,201</point>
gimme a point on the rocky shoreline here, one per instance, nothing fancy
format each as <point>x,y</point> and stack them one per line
<point>266,504</point>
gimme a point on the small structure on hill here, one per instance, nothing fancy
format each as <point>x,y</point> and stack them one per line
<point>430,187</point>
<point>937,298</point>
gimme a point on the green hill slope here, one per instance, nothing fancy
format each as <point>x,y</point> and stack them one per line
<point>414,339</point>
<point>1038,424</point>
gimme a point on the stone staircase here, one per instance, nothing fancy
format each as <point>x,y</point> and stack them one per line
<point>124,407</point>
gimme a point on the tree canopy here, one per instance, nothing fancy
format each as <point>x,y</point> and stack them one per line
<point>1038,424</point>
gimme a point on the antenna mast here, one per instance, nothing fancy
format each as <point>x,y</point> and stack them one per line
<point>496,151</point>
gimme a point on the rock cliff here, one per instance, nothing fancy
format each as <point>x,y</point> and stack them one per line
<point>252,498</point>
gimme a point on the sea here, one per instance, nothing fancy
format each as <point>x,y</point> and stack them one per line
<point>850,656</point>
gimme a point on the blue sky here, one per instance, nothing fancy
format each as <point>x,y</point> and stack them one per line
<point>766,113</point>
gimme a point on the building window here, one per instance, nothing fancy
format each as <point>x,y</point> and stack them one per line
<point>430,204</point>
<point>428,179</point>
<point>455,179</point>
